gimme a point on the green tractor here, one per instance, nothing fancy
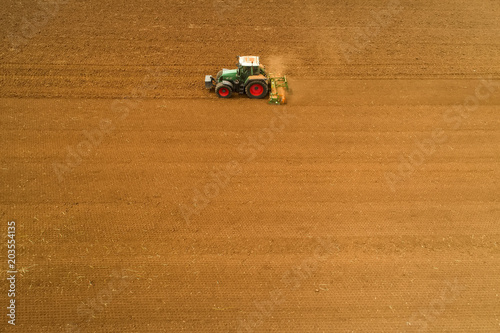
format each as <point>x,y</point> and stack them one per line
<point>249,78</point>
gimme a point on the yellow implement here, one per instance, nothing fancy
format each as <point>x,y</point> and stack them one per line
<point>279,87</point>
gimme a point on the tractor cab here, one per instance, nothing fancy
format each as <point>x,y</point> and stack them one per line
<point>248,66</point>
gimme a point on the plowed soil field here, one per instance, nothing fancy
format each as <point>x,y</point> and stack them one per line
<point>144,203</point>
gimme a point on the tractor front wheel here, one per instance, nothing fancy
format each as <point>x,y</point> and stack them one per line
<point>223,91</point>
<point>257,89</point>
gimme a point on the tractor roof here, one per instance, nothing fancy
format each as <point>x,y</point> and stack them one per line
<point>249,61</point>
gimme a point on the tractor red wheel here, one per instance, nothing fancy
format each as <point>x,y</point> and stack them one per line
<point>223,91</point>
<point>257,89</point>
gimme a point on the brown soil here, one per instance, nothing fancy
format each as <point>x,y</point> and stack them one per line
<point>370,203</point>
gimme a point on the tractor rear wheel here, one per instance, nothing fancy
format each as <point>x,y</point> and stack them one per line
<point>223,91</point>
<point>257,89</point>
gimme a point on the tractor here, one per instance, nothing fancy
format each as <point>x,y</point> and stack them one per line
<point>250,78</point>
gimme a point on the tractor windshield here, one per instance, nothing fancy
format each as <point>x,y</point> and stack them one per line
<point>244,71</point>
